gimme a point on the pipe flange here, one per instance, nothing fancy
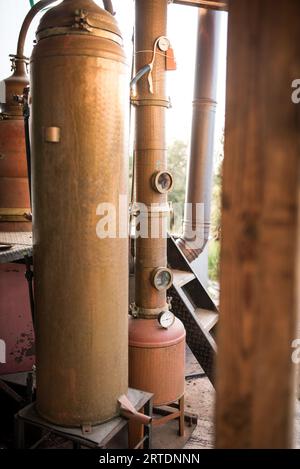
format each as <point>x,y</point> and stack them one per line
<point>142,209</point>
<point>147,313</point>
<point>160,102</point>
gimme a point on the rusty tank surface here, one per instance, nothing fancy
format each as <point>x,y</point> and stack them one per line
<point>14,187</point>
<point>79,160</point>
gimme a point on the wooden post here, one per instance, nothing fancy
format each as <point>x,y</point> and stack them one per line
<point>298,296</point>
<point>258,271</point>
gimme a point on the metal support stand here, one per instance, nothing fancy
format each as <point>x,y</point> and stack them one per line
<point>29,278</point>
<point>99,437</point>
<point>168,415</point>
<point>24,379</point>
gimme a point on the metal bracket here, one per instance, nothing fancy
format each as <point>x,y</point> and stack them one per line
<point>81,20</point>
<point>86,429</point>
<point>15,58</point>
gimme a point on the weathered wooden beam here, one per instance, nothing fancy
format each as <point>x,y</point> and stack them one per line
<point>298,303</point>
<point>209,4</point>
<point>258,271</point>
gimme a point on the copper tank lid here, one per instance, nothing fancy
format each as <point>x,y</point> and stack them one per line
<point>78,16</point>
<point>147,333</point>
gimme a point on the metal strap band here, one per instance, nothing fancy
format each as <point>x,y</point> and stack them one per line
<point>146,313</point>
<point>146,210</point>
<point>90,32</point>
<point>15,214</point>
<point>162,102</point>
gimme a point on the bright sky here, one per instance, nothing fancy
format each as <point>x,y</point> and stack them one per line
<point>182,28</point>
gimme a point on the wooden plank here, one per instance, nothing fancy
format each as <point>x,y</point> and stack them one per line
<point>261,177</point>
<point>298,296</point>
<point>208,4</point>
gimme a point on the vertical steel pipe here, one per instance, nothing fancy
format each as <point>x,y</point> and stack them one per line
<point>196,224</point>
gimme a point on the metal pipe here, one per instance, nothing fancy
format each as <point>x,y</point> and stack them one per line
<point>108,6</point>
<point>27,22</point>
<point>26,115</point>
<point>196,224</point>
<point>129,412</point>
<point>208,4</point>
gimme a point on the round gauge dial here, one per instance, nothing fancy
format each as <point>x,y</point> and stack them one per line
<point>166,319</point>
<point>162,278</point>
<point>164,43</point>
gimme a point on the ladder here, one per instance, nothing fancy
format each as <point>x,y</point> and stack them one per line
<point>193,306</point>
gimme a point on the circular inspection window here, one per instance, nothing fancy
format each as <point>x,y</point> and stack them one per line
<point>162,278</point>
<point>163,182</point>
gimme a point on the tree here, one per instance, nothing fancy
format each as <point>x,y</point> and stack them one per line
<point>177,165</point>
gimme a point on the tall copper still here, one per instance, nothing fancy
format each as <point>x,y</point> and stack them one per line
<point>14,190</point>
<point>78,93</point>
<point>156,355</point>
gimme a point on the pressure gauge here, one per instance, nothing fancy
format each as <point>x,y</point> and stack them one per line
<point>166,319</point>
<point>162,181</point>
<point>163,43</point>
<point>162,278</point>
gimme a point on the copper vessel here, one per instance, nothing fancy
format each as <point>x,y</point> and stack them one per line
<point>79,101</point>
<point>14,188</point>
<point>156,355</point>
<point>157,359</point>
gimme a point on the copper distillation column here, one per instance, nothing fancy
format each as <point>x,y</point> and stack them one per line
<point>156,337</point>
<point>15,207</point>
<point>14,190</point>
<point>196,223</point>
<point>78,113</point>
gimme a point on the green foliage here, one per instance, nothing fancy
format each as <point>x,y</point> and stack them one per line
<point>214,247</point>
<point>216,203</point>
<point>177,162</point>
<point>214,259</point>
<point>177,165</point>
